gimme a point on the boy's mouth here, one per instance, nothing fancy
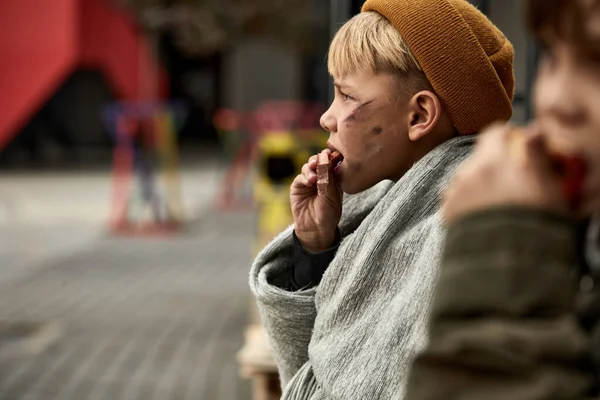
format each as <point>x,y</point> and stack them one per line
<point>336,159</point>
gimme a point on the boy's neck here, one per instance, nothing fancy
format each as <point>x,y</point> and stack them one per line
<point>440,134</point>
<point>423,147</point>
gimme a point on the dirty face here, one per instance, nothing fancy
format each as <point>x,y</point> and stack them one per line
<point>368,125</point>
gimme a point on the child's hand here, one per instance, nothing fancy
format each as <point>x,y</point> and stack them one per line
<point>505,170</point>
<point>315,217</point>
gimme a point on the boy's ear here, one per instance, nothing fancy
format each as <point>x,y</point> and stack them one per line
<point>425,112</point>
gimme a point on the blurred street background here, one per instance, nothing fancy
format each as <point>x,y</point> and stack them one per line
<point>145,318</point>
<point>146,149</point>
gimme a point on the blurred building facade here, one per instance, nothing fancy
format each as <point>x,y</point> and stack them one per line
<point>212,54</point>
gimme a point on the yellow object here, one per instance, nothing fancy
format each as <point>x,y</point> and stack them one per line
<point>167,147</point>
<point>280,156</point>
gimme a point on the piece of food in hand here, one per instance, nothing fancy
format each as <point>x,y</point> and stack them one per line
<point>571,168</point>
<point>322,173</point>
<point>324,162</point>
<point>336,157</point>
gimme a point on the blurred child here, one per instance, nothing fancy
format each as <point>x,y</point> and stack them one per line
<point>344,293</point>
<point>513,317</point>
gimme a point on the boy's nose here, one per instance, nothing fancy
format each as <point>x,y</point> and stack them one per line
<point>328,122</point>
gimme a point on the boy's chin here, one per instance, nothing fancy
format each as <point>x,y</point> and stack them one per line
<point>355,187</point>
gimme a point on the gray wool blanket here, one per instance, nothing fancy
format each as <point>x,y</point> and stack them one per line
<point>355,335</point>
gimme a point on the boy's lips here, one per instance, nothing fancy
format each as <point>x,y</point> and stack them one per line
<point>336,157</point>
<point>331,147</point>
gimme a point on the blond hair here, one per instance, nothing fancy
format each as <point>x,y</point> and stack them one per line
<point>369,42</point>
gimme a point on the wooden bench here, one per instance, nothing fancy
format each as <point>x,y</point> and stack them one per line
<point>257,363</point>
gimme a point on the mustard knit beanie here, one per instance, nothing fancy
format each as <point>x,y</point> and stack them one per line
<point>467,60</point>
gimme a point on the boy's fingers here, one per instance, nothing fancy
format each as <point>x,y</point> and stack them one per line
<point>451,197</point>
<point>494,133</point>
<point>537,153</point>
<point>300,182</point>
<point>333,191</point>
<point>308,172</point>
<point>535,145</point>
<point>493,144</point>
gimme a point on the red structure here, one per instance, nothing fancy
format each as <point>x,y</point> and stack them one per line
<point>43,42</point>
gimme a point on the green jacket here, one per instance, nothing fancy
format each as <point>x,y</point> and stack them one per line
<point>505,322</point>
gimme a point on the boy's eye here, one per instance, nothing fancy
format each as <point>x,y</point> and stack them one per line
<point>342,95</point>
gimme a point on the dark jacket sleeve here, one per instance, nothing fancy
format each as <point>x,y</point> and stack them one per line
<point>503,324</point>
<point>308,268</point>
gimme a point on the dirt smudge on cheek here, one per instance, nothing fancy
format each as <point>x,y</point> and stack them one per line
<point>355,115</point>
<point>372,149</point>
<point>352,117</point>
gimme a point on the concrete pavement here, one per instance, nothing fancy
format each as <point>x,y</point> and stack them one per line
<point>140,318</point>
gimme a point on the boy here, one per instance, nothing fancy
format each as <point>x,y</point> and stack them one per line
<point>517,310</point>
<point>344,296</point>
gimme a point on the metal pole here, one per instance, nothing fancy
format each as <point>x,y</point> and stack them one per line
<point>339,12</point>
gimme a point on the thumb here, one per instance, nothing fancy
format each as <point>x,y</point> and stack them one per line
<point>334,192</point>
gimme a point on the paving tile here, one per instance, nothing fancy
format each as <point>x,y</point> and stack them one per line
<point>141,318</point>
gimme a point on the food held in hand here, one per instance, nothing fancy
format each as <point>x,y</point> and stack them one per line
<point>324,162</point>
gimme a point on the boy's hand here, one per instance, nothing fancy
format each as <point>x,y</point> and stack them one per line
<point>505,170</point>
<point>315,217</point>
